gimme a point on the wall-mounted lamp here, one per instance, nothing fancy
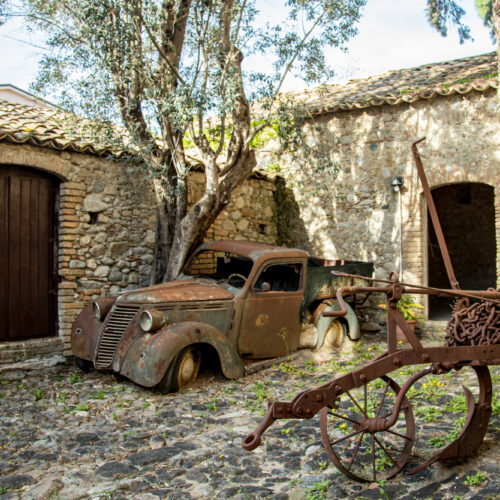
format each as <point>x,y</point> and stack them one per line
<point>397,183</point>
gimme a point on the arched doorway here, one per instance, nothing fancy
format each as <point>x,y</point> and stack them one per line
<point>28,254</point>
<point>467,216</point>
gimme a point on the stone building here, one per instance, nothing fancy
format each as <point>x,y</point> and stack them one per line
<point>74,225</point>
<point>339,201</point>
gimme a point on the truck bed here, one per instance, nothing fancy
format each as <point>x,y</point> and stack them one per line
<point>321,281</point>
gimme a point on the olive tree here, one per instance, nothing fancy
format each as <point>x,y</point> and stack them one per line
<point>173,73</point>
<point>441,13</point>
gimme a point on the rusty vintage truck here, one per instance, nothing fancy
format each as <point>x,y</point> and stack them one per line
<point>238,302</point>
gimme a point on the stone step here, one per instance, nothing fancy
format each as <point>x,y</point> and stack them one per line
<point>15,352</point>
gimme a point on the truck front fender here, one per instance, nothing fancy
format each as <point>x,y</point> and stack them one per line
<point>85,334</point>
<point>149,357</point>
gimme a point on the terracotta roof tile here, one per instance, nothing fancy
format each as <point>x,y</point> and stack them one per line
<point>60,130</point>
<point>51,128</point>
<point>459,76</point>
<point>56,129</point>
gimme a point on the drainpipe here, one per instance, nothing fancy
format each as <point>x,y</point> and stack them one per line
<point>397,184</point>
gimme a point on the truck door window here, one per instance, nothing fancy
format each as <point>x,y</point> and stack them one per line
<point>281,278</point>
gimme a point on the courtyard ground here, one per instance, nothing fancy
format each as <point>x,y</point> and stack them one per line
<point>65,434</point>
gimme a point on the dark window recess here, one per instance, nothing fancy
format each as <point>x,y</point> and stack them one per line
<point>464,195</point>
<point>467,216</point>
<point>262,228</point>
<point>93,217</point>
<point>281,277</point>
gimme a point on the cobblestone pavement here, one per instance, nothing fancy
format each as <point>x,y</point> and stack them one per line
<point>65,434</point>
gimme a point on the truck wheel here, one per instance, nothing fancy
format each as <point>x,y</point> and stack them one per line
<point>84,364</point>
<point>182,371</point>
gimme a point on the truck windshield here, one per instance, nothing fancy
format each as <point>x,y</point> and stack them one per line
<point>220,266</point>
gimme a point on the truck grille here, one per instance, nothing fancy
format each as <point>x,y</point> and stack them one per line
<point>115,325</point>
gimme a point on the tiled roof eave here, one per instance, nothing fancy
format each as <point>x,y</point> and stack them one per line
<point>406,99</point>
<point>24,138</point>
<point>33,140</point>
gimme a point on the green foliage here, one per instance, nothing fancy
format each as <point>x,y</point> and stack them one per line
<point>442,439</point>
<point>82,407</point>
<point>173,74</point>
<point>38,394</point>
<point>407,307</point>
<point>319,490</point>
<point>485,11</point>
<point>440,13</point>
<point>382,461</point>
<point>212,404</point>
<point>265,135</point>
<point>75,377</point>
<point>99,395</point>
<point>429,414</point>
<point>260,395</point>
<point>476,479</point>
<point>458,404</point>
<point>105,60</point>
<point>381,484</point>
<point>438,441</point>
<point>495,404</point>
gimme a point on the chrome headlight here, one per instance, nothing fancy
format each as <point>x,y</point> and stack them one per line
<point>102,306</point>
<point>152,320</point>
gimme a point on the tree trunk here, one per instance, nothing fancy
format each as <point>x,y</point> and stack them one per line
<point>178,237</point>
<point>182,240</point>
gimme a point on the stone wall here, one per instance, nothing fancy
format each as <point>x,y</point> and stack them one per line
<point>343,205</point>
<point>107,222</point>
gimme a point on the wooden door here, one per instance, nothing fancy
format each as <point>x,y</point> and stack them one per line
<point>27,284</point>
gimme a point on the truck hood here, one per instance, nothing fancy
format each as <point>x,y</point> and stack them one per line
<point>178,291</point>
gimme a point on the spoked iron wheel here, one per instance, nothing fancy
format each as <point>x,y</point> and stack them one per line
<point>354,435</point>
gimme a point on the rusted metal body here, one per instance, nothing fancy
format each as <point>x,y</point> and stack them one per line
<point>387,429</point>
<point>236,300</point>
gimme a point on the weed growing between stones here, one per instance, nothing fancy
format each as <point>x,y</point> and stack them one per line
<point>261,394</point>
<point>475,480</point>
<point>495,404</point>
<point>429,414</point>
<point>211,405</point>
<point>319,490</point>
<point>38,394</point>
<point>381,483</point>
<point>74,378</point>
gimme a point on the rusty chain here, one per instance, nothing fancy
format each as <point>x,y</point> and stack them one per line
<point>478,324</point>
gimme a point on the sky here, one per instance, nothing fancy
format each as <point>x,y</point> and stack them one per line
<point>393,34</point>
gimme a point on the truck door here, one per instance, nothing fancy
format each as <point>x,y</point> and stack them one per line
<point>270,323</point>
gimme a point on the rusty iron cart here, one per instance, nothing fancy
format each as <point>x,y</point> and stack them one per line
<point>374,431</point>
